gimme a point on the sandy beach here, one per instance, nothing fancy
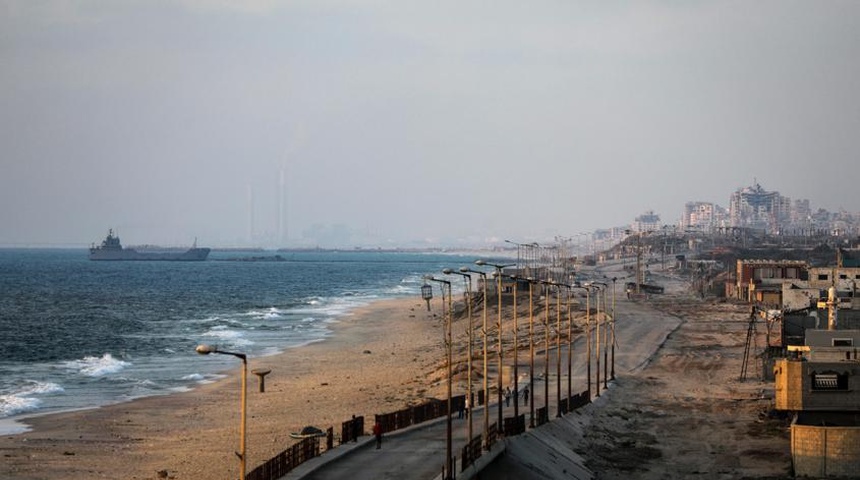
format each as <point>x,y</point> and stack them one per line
<point>376,361</point>
<point>685,412</point>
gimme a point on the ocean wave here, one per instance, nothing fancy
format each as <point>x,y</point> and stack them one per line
<point>14,404</point>
<point>97,366</point>
<point>23,400</point>
<point>231,337</point>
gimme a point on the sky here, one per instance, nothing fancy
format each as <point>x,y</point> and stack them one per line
<point>393,123</point>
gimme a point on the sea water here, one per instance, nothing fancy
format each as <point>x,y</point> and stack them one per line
<point>81,334</point>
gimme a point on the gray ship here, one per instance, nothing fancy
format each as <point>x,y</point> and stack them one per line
<point>111,249</point>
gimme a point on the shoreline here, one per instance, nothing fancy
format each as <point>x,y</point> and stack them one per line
<point>375,360</point>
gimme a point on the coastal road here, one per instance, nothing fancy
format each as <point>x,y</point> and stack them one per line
<point>419,453</point>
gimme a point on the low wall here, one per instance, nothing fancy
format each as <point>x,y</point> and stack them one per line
<point>825,446</point>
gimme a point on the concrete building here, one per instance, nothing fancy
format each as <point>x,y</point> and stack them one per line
<point>647,222</point>
<point>754,207</point>
<point>761,281</point>
<point>820,382</point>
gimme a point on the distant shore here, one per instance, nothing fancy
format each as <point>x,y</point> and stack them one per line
<point>376,360</point>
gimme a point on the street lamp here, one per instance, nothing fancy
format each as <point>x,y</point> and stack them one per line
<point>499,324</point>
<point>484,332</point>
<point>516,280</point>
<point>529,261</point>
<point>613,327</point>
<point>206,350</point>
<point>449,459</point>
<point>569,345</point>
<point>467,279</point>
<point>605,341</point>
<point>531,281</point>
<point>597,321</point>
<point>546,348</point>
<point>587,289</point>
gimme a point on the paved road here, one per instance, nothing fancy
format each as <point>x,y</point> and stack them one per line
<point>419,453</point>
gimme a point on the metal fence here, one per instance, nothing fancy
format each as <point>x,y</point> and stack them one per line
<point>407,417</point>
<point>350,430</point>
<point>284,462</point>
<point>309,448</point>
<point>470,452</point>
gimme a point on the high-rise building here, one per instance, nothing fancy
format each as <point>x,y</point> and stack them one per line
<point>753,207</point>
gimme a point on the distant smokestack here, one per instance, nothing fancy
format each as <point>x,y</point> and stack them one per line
<point>250,213</point>
<point>281,209</point>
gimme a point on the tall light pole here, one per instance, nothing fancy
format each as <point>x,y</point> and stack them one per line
<point>484,333</point>
<point>557,348</point>
<point>531,281</point>
<point>498,273</point>
<point>587,289</point>
<point>597,343</point>
<point>467,279</point>
<point>516,280</point>
<point>613,327</point>
<point>449,459</point>
<point>546,348</point>
<point>605,341</point>
<point>569,346</point>
<point>242,454</point>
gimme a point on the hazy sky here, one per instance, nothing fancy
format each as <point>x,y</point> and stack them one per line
<point>402,121</point>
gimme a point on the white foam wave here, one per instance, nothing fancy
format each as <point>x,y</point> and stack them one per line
<point>23,400</point>
<point>231,337</point>
<point>97,366</point>
<point>193,377</point>
<point>14,404</point>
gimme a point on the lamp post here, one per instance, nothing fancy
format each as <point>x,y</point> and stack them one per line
<point>516,280</point>
<point>597,344</point>
<point>569,345</point>
<point>605,340</point>
<point>449,459</point>
<point>206,350</point>
<point>467,279</point>
<point>613,327</point>
<point>498,326</point>
<point>587,289</point>
<point>557,345</point>
<point>546,348</point>
<point>531,281</point>
<point>484,333</point>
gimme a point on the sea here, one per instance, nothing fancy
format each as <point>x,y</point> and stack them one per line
<point>78,334</point>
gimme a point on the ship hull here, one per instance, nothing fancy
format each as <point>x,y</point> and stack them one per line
<point>128,254</point>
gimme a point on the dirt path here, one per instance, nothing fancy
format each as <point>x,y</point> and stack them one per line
<point>686,414</point>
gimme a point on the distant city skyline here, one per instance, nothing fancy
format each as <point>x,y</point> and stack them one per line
<point>344,123</point>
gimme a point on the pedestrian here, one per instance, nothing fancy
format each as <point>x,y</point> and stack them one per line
<point>526,395</point>
<point>377,432</point>
<point>508,397</point>
<point>460,410</point>
<point>467,407</point>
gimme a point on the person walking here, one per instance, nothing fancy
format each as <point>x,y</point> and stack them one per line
<point>508,397</point>
<point>526,395</point>
<point>467,407</point>
<point>377,432</point>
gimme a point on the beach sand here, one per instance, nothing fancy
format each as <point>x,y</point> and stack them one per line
<point>685,414</point>
<point>379,359</point>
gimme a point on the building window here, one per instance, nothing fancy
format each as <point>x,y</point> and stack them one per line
<point>822,276</point>
<point>843,342</point>
<point>829,381</point>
